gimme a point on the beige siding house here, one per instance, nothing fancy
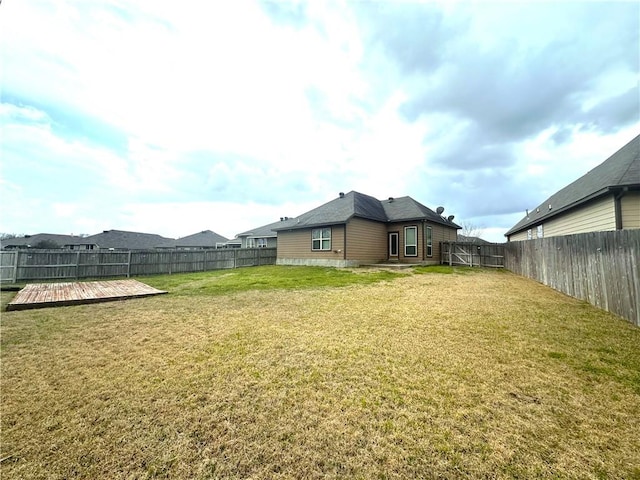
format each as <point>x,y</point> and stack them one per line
<point>606,198</point>
<point>356,229</point>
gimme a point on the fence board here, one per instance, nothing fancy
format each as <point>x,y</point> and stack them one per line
<point>472,254</point>
<point>34,265</point>
<point>602,268</point>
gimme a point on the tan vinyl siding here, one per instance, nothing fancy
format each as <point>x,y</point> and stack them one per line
<point>366,241</point>
<point>297,244</point>
<point>595,216</point>
<point>518,236</point>
<point>630,206</point>
<point>441,234</point>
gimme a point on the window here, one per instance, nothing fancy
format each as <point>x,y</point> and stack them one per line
<point>262,243</point>
<point>539,231</point>
<point>321,239</point>
<point>256,242</point>
<point>429,240</point>
<point>529,234</point>
<point>410,241</point>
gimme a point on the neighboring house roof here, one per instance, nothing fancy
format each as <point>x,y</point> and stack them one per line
<point>204,239</point>
<point>620,170</point>
<point>122,240</point>
<point>266,231</point>
<point>29,241</point>
<point>355,204</point>
<point>476,240</point>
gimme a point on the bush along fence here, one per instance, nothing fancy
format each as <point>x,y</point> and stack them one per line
<point>33,265</point>
<point>602,268</point>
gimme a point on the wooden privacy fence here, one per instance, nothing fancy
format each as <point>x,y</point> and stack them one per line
<point>29,265</point>
<point>472,254</point>
<point>602,268</point>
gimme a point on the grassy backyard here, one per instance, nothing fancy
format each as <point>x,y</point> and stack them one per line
<point>294,372</point>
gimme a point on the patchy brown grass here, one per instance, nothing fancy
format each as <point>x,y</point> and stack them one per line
<point>482,375</point>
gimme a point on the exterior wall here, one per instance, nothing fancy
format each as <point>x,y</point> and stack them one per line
<point>296,244</point>
<point>360,242</point>
<point>630,206</point>
<point>595,216</point>
<point>440,233</point>
<point>367,241</point>
<point>598,215</point>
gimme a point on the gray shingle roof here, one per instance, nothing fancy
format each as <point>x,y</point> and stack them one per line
<point>267,230</point>
<point>204,239</point>
<point>123,240</point>
<point>619,170</point>
<point>355,204</point>
<point>32,240</point>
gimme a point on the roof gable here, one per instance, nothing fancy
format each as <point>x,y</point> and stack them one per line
<point>619,170</point>
<point>206,238</point>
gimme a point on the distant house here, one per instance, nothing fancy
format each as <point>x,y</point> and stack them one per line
<point>198,241</point>
<point>118,240</point>
<point>262,237</point>
<point>39,240</point>
<point>356,229</point>
<point>474,240</point>
<point>606,198</point>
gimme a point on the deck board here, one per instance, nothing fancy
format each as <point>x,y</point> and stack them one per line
<point>39,295</point>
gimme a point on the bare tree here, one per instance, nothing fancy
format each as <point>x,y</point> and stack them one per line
<point>470,229</point>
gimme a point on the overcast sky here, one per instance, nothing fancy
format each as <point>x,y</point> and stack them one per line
<point>176,117</point>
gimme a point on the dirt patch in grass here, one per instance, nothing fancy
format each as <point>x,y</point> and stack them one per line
<point>486,375</point>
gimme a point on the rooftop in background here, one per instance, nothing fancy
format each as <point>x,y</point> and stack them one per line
<point>204,239</point>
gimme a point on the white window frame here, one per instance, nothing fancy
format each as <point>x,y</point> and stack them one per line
<point>414,245</point>
<point>539,231</point>
<point>429,240</point>
<point>321,237</point>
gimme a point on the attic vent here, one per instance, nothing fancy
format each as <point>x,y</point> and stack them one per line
<point>549,206</point>
<point>450,218</point>
<point>341,194</point>
<point>391,199</point>
<point>439,210</point>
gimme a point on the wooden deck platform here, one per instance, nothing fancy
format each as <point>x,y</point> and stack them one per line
<point>39,295</point>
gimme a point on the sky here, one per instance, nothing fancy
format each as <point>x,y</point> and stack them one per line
<point>173,117</point>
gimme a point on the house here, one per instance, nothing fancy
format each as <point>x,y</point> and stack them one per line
<point>264,236</point>
<point>198,241</point>
<point>472,239</point>
<point>605,198</point>
<point>39,240</point>
<point>356,229</point>
<point>118,240</point>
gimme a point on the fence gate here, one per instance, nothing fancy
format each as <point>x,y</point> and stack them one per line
<point>472,254</point>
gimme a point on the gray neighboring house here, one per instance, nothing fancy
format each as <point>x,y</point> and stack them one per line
<point>606,198</point>
<point>198,241</point>
<point>118,240</point>
<point>264,236</point>
<point>49,240</point>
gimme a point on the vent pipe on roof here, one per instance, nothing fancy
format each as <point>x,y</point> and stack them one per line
<point>450,218</point>
<point>439,210</point>
<point>341,194</point>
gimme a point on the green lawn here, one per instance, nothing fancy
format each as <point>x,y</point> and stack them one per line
<point>296,372</point>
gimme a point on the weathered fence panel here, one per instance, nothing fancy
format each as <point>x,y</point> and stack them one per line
<point>602,268</point>
<point>472,254</point>
<point>33,265</point>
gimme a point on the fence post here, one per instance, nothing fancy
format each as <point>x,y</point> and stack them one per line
<point>77,265</point>
<point>15,266</point>
<point>450,259</point>
<point>129,264</point>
